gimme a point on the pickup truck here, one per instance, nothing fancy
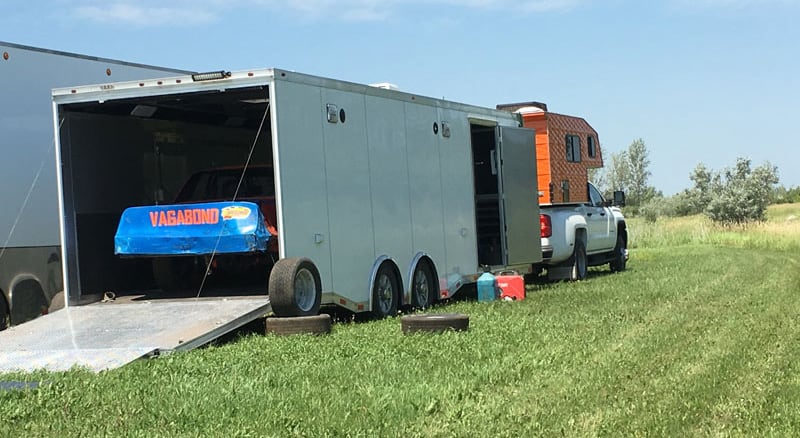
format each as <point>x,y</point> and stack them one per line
<point>582,234</point>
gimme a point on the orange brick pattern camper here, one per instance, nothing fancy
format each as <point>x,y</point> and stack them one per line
<point>566,148</point>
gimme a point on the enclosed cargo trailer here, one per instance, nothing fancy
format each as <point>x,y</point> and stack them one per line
<point>389,194</point>
<point>30,248</point>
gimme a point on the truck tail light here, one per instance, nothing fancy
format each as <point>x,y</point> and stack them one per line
<point>545,225</point>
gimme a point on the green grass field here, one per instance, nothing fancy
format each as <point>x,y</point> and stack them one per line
<point>700,336</point>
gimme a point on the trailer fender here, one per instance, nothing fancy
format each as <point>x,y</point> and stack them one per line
<point>421,261</point>
<point>27,299</point>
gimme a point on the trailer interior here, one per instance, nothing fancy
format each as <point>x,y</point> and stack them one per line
<point>122,153</point>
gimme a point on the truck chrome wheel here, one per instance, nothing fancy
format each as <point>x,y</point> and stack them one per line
<point>620,258</point>
<point>579,262</point>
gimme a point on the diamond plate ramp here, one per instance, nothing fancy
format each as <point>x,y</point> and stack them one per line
<point>103,336</point>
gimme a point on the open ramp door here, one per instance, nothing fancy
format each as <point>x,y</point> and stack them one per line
<point>519,196</point>
<point>104,336</point>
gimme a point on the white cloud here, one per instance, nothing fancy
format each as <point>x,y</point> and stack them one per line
<point>144,14</point>
<point>184,12</point>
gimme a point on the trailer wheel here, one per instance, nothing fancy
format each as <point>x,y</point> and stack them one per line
<point>298,325</point>
<point>579,265</point>
<point>295,288</point>
<point>385,292</point>
<point>620,258</point>
<point>424,288</point>
<point>4,316</point>
<point>434,323</point>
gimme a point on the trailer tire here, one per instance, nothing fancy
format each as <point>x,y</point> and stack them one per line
<point>579,262</point>
<point>385,291</point>
<point>619,260</point>
<point>5,317</point>
<point>295,288</point>
<point>434,323</point>
<point>299,325</point>
<point>424,285</point>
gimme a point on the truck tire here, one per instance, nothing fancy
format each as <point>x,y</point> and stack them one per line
<point>620,259</point>
<point>4,315</point>
<point>434,323</point>
<point>579,262</point>
<point>425,285</point>
<point>295,288</point>
<point>385,291</point>
<point>299,325</point>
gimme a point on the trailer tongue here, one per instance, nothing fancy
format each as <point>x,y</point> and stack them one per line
<point>104,336</point>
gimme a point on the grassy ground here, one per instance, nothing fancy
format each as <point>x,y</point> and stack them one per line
<point>701,336</point>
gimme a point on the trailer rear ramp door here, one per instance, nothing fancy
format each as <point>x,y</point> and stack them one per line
<point>104,336</point>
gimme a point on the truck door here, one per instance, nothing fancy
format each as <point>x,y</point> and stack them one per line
<point>600,221</point>
<point>519,195</point>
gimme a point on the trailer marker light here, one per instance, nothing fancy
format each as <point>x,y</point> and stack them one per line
<point>250,74</point>
<point>342,301</point>
<point>141,84</point>
<point>177,81</point>
<point>108,72</point>
<point>5,56</point>
<point>159,83</point>
<point>360,307</point>
<point>210,76</point>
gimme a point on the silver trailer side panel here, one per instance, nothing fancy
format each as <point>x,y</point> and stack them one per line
<point>30,253</point>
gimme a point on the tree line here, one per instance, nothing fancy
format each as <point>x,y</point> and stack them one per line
<point>733,195</point>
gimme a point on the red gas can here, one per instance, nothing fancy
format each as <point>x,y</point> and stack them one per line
<point>512,284</point>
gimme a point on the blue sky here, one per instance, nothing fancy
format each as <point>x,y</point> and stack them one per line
<point>698,80</point>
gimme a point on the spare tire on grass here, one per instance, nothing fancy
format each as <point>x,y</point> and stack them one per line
<point>434,322</point>
<point>298,325</point>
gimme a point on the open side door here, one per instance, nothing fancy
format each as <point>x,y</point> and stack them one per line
<point>519,196</point>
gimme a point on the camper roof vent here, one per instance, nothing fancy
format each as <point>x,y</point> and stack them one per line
<point>385,86</point>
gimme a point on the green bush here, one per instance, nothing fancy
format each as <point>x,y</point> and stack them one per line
<point>740,194</point>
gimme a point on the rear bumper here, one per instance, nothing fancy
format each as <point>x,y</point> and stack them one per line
<point>547,253</point>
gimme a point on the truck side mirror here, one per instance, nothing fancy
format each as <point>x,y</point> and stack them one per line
<point>619,198</point>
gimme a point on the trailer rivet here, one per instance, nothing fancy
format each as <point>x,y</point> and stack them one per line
<point>5,56</point>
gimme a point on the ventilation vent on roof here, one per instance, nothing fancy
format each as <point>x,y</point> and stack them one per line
<point>385,86</point>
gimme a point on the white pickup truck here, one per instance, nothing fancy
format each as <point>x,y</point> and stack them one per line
<point>582,234</point>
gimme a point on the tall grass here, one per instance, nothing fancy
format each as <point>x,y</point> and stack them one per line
<point>781,231</point>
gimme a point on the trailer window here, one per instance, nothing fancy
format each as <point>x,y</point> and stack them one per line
<point>573,148</point>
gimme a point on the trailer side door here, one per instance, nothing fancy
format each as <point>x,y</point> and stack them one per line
<point>519,195</point>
